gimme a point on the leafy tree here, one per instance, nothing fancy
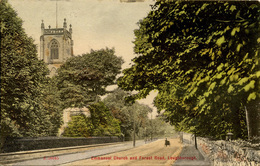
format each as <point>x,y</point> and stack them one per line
<point>103,121</point>
<point>52,105</point>
<point>100,123</point>
<point>203,58</point>
<point>82,79</point>
<point>116,103</point>
<point>128,114</point>
<point>157,127</point>
<point>79,126</point>
<point>22,80</point>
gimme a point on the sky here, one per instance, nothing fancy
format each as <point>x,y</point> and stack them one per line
<point>96,24</point>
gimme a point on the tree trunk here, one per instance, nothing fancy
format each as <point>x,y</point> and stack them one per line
<point>236,121</point>
<point>253,119</point>
<point>2,142</point>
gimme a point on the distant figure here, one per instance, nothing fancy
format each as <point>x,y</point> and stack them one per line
<point>167,142</point>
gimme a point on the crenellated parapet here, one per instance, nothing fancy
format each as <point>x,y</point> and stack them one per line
<point>57,31</point>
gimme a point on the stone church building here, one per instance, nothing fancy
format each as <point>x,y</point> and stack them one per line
<point>56,46</point>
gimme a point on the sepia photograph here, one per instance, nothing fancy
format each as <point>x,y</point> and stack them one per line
<point>130,82</point>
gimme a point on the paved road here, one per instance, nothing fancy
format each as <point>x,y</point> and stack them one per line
<point>62,159</point>
<point>154,153</point>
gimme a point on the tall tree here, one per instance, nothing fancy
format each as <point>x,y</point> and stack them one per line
<point>116,103</point>
<point>52,106</point>
<point>203,58</point>
<point>22,78</point>
<point>103,121</point>
<point>128,114</point>
<point>157,127</point>
<point>83,79</point>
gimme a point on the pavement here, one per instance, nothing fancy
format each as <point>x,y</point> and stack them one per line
<point>186,157</point>
<point>67,158</point>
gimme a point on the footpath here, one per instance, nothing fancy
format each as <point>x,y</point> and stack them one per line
<point>189,150</point>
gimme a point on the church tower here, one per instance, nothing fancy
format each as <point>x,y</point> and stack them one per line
<point>56,46</point>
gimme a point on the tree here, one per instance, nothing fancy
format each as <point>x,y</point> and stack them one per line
<point>52,106</point>
<point>157,127</point>
<point>203,58</point>
<point>100,123</point>
<point>103,121</point>
<point>79,126</point>
<point>22,79</point>
<point>83,79</point>
<point>116,103</point>
<point>128,114</point>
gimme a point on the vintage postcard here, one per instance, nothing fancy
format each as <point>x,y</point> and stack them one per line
<point>129,82</point>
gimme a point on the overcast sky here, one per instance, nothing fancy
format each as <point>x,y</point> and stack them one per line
<point>96,24</point>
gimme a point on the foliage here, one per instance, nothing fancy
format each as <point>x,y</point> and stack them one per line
<point>203,58</point>
<point>82,79</point>
<point>100,123</point>
<point>22,75</point>
<point>115,102</point>
<point>26,110</point>
<point>103,121</point>
<point>30,105</point>
<point>128,114</point>
<point>79,126</point>
<point>52,106</point>
<point>158,128</point>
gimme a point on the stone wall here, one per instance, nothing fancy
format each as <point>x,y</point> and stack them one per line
<point>25,144</point>
<point>225,153</point>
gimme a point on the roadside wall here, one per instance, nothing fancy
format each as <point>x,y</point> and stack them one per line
<point>24,144</point>
<point>225,153</point>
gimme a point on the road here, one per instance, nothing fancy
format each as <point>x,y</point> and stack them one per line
<point>56,158</point>
<point>154,153</point>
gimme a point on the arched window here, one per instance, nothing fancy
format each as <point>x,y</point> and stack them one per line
<point>54,50</point>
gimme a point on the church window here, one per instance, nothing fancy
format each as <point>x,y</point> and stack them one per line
<point>54,50</point>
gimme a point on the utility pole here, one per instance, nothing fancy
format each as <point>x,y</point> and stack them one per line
<point>132,107</point>
<point>195,140</point>
<point>134,126</point>
<point>134,135</point>
<point>151,128</point>
<point>195,122</point>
